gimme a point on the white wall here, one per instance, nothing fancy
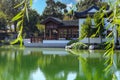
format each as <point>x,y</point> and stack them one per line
<point>93,40</point>
<point>46,43</point>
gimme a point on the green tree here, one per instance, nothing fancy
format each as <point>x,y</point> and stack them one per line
<point>54,9</point>
<point>30,27</point>
<point>85,4</point>
<point>86,29</point>
<point>3,21</point>
<point>19,17</point>
<point>99,24</point>
<point>40,27</point>
<point>8,8</point>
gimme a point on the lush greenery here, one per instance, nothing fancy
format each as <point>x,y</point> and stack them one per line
<point>30,28</point>
<point>114,20</point>
<point>85,4</point>
<point>79,46</point>
<point>84,64</point>
<point>23,8</point>
<point>2,21</point>
<point>8,10</point>
<point>7,7</point>
<point>86,29</point>
<point>54,9</point>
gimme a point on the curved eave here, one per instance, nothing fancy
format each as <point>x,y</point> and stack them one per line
<point>85,15</point>
<point>52,20</point>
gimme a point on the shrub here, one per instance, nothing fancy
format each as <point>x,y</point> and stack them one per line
<point>80,45</point>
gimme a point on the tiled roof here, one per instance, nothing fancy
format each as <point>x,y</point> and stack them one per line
<point>56,20</point>
<point>61,22</point>
<point>85,13</point>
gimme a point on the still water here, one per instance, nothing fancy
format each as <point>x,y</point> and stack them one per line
<point>55,64</point>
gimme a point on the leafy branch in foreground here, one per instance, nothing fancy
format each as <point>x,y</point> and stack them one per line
<point>20,19</point>
<point>115,25</point>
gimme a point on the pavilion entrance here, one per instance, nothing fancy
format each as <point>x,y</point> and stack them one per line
<point>51,34</point>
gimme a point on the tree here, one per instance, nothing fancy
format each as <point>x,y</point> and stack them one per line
<point>30,27</point>
<point>86,29</point>
<point>99,24</point>
<point>85,4</point>
<point>3,21</point>
<point>40,27</point>
<point>54,9</point>
<point>7,6</point>
<point>19,17</point>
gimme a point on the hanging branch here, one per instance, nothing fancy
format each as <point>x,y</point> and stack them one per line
<point>20,19</point>
<point>110,48</point>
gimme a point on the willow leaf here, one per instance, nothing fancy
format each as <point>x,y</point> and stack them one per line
<point>110,34</point>
<point>20,4</point>
<point>18,16</point>
<point>92,36</point>
<point>108,46</point>
<point>107,52</point>
<point>15,41</point>
<point>107,61</point>
<point>116,21</point>
<point>31,2</point>
<point>20,32</point>
<point>108,67</point>
<point>27,14</point>
<point>19,23</point>
<point>21,40</point>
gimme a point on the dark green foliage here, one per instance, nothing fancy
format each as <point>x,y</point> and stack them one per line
<point>86,28</point>
<point>99,23</point>
<point>85,4</point>
<point>3,21</point>
<point>9,10</point>
<point>30,27</point>
<point>54,9</point>
<point>79,45</point>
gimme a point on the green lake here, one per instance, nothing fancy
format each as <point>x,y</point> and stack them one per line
<point>55,64</point>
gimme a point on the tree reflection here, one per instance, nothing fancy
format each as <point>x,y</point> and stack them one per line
<point>19,64</point>
<point>92,68</point>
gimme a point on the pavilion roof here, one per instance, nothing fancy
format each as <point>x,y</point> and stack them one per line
<point>61,22</point>
<point>90,12</point>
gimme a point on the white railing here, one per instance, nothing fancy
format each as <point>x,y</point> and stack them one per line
<point>93,40</point>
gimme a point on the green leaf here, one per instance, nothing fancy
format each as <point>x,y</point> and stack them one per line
<point>27,14</point>
<point>116,21</point>
<point>31,2</point>
<point>15,41</point>
<point>110,34</point>
<point>18,16</point>
<point>20,4</point>
<point>19,23</point>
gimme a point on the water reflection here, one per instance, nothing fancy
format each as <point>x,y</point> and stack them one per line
<point>53,64</point>
<point>37,75</point>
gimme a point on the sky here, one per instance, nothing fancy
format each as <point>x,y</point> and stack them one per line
<point>39,5</point>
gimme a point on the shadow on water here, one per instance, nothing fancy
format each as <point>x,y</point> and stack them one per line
<point>53,64</point>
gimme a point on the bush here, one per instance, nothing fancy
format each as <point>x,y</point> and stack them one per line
<point>79,45</point>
